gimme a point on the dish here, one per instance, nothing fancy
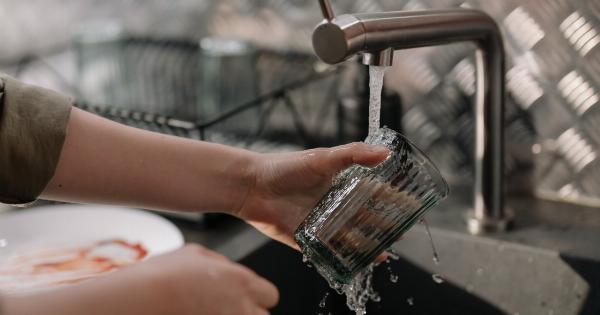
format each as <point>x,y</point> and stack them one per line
<point>46,247</point>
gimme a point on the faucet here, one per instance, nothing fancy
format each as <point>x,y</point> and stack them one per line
<point>375,36</point>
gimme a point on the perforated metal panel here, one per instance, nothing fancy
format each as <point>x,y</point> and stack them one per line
<point>553,80</point>
<point>553,72</point>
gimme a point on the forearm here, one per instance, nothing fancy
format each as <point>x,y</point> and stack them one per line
<point>105,162</point>
<point>105,295</point>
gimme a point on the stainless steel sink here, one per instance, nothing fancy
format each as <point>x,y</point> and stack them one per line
<point>482,276</point>
<point>548,264</point>
<point>302,289</point>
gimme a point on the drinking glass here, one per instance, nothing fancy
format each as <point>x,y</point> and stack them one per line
<point>368,209</point>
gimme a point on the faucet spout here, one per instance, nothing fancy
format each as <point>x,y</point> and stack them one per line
<point>377,35</point>
<point>379,58</point>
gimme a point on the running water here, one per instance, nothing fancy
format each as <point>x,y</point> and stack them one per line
<point>436,257</point>
<point>376,85</point>
<point>360,290</point>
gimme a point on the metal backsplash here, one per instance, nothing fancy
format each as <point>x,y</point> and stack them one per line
<point>553,72</point>
<point>553,80</point>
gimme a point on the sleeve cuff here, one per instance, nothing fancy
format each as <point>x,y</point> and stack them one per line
<point>33,123</point>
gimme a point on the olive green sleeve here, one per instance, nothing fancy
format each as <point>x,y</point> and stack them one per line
<point>33,124</point>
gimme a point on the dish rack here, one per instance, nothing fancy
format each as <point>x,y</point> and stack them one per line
<point>153,84</point>
<point>294,90</point>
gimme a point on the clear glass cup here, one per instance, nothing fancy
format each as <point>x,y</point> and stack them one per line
<point>368,209</point>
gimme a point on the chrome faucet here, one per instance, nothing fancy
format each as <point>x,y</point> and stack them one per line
<point>375,36</point>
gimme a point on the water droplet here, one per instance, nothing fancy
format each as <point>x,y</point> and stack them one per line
<point>470,288</point>
<point>479,271</point>
<point>551,312</point>
<point>437,278</point>
<point>530,259</point>
<point>376,298</point>
<point>410,301</point>
<point>393,255</point>
<point>436,257</point>
<point>323,300</point>
<point>3,242</point>
<point>517,313</point>
<point>393,278</point>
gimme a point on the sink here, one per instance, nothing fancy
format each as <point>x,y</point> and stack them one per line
<point>548,264</point>
<point>482,276</point>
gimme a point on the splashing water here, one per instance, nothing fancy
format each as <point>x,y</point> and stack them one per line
<point>358,292</point>
<point>392,254</point>
<point>437,278</point>
<point>376,85</point>
<point>410,301</point>
<point>324,300</point>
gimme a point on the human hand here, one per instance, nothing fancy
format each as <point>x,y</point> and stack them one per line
<point>287,185</point>
<point>192,280</point>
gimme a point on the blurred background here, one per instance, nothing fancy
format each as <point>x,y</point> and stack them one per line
<point>242,72</point>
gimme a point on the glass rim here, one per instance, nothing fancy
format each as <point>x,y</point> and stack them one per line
<point>435,174</point>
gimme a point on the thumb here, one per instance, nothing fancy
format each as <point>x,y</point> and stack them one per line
<point>342,157</point>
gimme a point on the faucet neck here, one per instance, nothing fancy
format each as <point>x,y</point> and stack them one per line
<point>377,35</point>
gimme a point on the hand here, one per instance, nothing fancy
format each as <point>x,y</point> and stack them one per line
<point>189,281</point>
<point>286,186</point>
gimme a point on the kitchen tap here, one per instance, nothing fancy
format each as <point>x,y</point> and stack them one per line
<point>375,36</point>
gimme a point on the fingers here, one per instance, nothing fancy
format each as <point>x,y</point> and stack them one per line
<point>344,156</point>
<point>264,292</point>
<point>197,248</point>
<point>261,312</point>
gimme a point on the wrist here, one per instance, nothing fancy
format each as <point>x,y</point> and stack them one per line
<point>245,173</point>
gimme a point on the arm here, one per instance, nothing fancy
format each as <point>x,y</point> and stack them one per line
<point>106,162</point>
<point>189,281</point>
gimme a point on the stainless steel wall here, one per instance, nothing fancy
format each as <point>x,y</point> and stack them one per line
<point>553,79</point>
<point>553,118</point>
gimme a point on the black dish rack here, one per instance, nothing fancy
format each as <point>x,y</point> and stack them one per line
<point>288,83</point>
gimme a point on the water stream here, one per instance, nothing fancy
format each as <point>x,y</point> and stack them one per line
<point>376,85</point>
<point>360,290</point>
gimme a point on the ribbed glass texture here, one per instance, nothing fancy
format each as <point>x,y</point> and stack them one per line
<point>368,209</point>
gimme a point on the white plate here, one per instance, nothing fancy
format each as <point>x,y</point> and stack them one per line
<point>51,227</point>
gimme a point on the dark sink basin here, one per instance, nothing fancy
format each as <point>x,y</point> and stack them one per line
<point>483,276</point>
<point>415,292</point>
